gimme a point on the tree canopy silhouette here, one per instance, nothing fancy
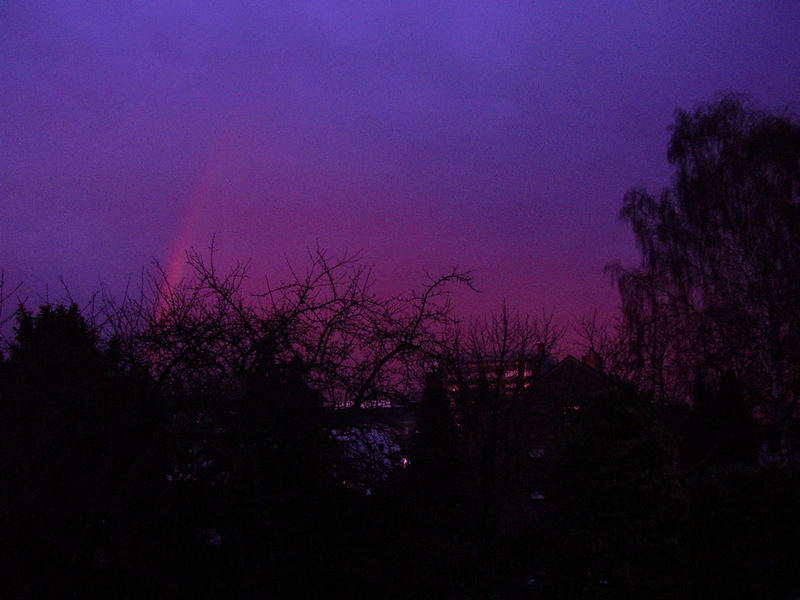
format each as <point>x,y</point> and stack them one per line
<point>718,286</point>
<point>78,453</point>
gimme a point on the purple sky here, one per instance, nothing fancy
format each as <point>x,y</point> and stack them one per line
<point>499,137</point>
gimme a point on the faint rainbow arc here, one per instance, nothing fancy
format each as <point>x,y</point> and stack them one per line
<point>199,196</point>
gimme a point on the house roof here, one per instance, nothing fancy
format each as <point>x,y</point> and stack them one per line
<point>570,369</point>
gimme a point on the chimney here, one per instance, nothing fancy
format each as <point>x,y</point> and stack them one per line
<point>594,360</point>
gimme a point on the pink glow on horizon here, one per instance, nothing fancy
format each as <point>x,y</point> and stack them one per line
<point>496,137</point>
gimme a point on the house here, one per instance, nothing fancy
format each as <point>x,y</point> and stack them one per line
<point>561,390</point>
<point>511,414</point>
<point>547,388</point>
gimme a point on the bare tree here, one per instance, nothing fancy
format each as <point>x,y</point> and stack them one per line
<point>5,296</point>
<point>359,349</point>
<point>248,373</point>
<point>491,372</point>
<point>605,340</point>
<point>353,346</point>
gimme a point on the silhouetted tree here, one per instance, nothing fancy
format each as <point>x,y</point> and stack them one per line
<point>356,348</point>
<point>256,382</point>
<point>718,287</point>
<point>426,513</point>
<point>603,338</point>
<point>79,455</point>
<point>492,369</point>
<point>437,449</point>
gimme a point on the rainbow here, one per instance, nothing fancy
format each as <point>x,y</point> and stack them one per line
<point>199,196</point>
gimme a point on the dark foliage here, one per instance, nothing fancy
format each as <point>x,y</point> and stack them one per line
<point>617,504</point>
<point>718,287</point>
<point>81,453</point>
